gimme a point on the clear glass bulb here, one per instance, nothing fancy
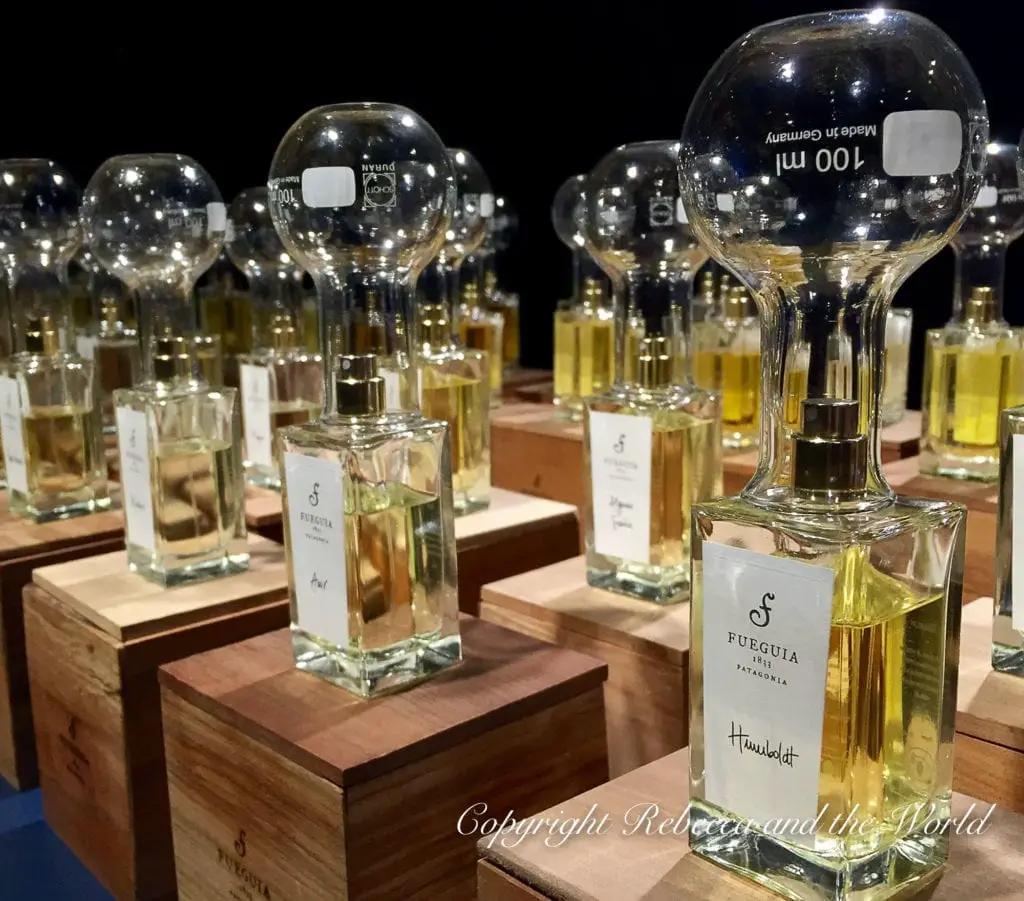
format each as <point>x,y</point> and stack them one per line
<point>157,222</point>
<point>823,159</point>
<point>362,195</point>
<point>40,234</point>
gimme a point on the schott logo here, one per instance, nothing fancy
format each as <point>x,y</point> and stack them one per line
<point>661,212</point>
<point>379,186</point>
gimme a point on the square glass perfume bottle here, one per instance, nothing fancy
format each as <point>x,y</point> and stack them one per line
<point>53,443</point>
<point>280,381</point>
<point>498,299</point>
<point>480,328</point>
<point>370,535</point>
<point>826,610</point>
<point>113,345</point>
<point>653,441</point>
<point>974,365</point>
<point>179,437</point>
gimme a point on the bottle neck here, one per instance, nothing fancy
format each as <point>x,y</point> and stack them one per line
<point>362,313</point>
<point>978,266</point>
<point>165,312</point>
<point>40,292</point>
<point>276,299</point>
<point>821,345</point>
<point>434,304</point>
<point>655,306</point>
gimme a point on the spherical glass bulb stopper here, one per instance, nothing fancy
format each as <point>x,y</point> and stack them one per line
<point>253,244</point>
<point>361,187</point>
<point>633,223</point>
<point>997,216</point>
<point>833,148</point>
<point>154,219</point>
<point>474,206</point>
<point>40,207</point>
<point>566,211</point>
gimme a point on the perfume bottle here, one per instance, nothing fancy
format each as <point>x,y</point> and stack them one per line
<point>502,227</point>
<point>727,351</point>
<point>1008,624</point>
<point>52,440</point>
<point>584,328</point>
<point>225,310</point>
<point>369,527</point>
<point>478,330</point>
<point>898,328</point>
<point>157,222</point>
<point>281,382</point>
<point>705,304</point>
<point>653,441</point>
<point>974,365</point>
<point>826,610</point>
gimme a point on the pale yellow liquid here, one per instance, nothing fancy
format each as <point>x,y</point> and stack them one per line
<point>392,596</point>
<point>795,381</point>
<point>117,365</point>
<point>484,336</point>
<point>463,403</point>
<point>596,349</point>
<point>310,327</point>
<point>741,388</point>
<point>60,448</point>
<point>230,318</point>
<point>211,361</point>
<point>510,335</point>
<point>565,356</point>
<point>194,502</point>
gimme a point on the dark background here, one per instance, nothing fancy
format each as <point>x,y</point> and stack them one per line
<point>537,91</point>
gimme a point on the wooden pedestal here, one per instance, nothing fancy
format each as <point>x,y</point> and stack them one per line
<point>542,393</point>
<point>25,546</point>
<point>513,380</point>
<point>515,534</point>
<point>646,647</point>
<point>982,527</point>
<point>616,863</point>
<point>535,453</point>
<point>989,718</point>
<point>285,787</point>
<point>96,634</point>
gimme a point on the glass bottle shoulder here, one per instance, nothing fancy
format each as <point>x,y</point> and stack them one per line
<point>269,356</point>
<point>166,394</point>
<point>37,364</point>
<point>454,361</point>
<point>994,334</point>
<point>337,433</point>
<point>672,404</point>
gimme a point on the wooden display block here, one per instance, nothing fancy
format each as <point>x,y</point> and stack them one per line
<point>515,534</point>
<point>24,546</point>
<point>541,393</point>
<point>646,647</point>
<point>989,762</point>
<point>535,453</point>
<point>285,787</point>
<point>906,477</point>
<point>737,470</point>
<point>96,634</point>
<point>513,380</point>
<point>619,864</point>
<point>903,439</point>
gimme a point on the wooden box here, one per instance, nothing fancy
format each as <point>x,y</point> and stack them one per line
<point>96,634</point>
<point>609,860</point>
<point>513,380</point>
<point>646,647</point>
<point>515,534</point>
<point>285,787</point>
<point>541,393</point>
<point>989,762</point>
<point>25,546</point>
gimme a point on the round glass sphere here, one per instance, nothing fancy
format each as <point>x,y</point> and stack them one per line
<point>474,205</point>
<point>40,208</point>
<point>253,243</point>
<point>833,149</point>
<point>154,218</point>
<point>997,217</point>
<point>632,222</point>
<point>361,186</point>
<point>567,211</point>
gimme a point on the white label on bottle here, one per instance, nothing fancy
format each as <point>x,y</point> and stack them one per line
<point>620,475</point>
<point>921,142</point>
<point>136,481</point>
<point>216,217</point>
<point>766,629</point>
<point>86,346</point>
<point>726,203</point>
<point>316,531</point>
<point>1017,571</point>
<point>486,205</point>
<point>392,389</point>
<point>329,186</point>
<point>259,442</point>
<point>988,196</point>
<point>681,212</point>
<point>10,428</point>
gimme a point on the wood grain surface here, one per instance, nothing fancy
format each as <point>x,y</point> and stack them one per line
<point>906,477</point>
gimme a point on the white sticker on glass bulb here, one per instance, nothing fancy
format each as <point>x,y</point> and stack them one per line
<point>316,533</point>
<point>13,437</point>
<point>216,217</point>
<point>988,196</point>
<point>620,475</point>
<point>681,212</point>
<point>921,142</point>
<point>324,187</point>
<point>765,632</point>
<point>726,203</point>
<point>486,205</point>
<point>1017,563</point>
<point>136,483</point>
